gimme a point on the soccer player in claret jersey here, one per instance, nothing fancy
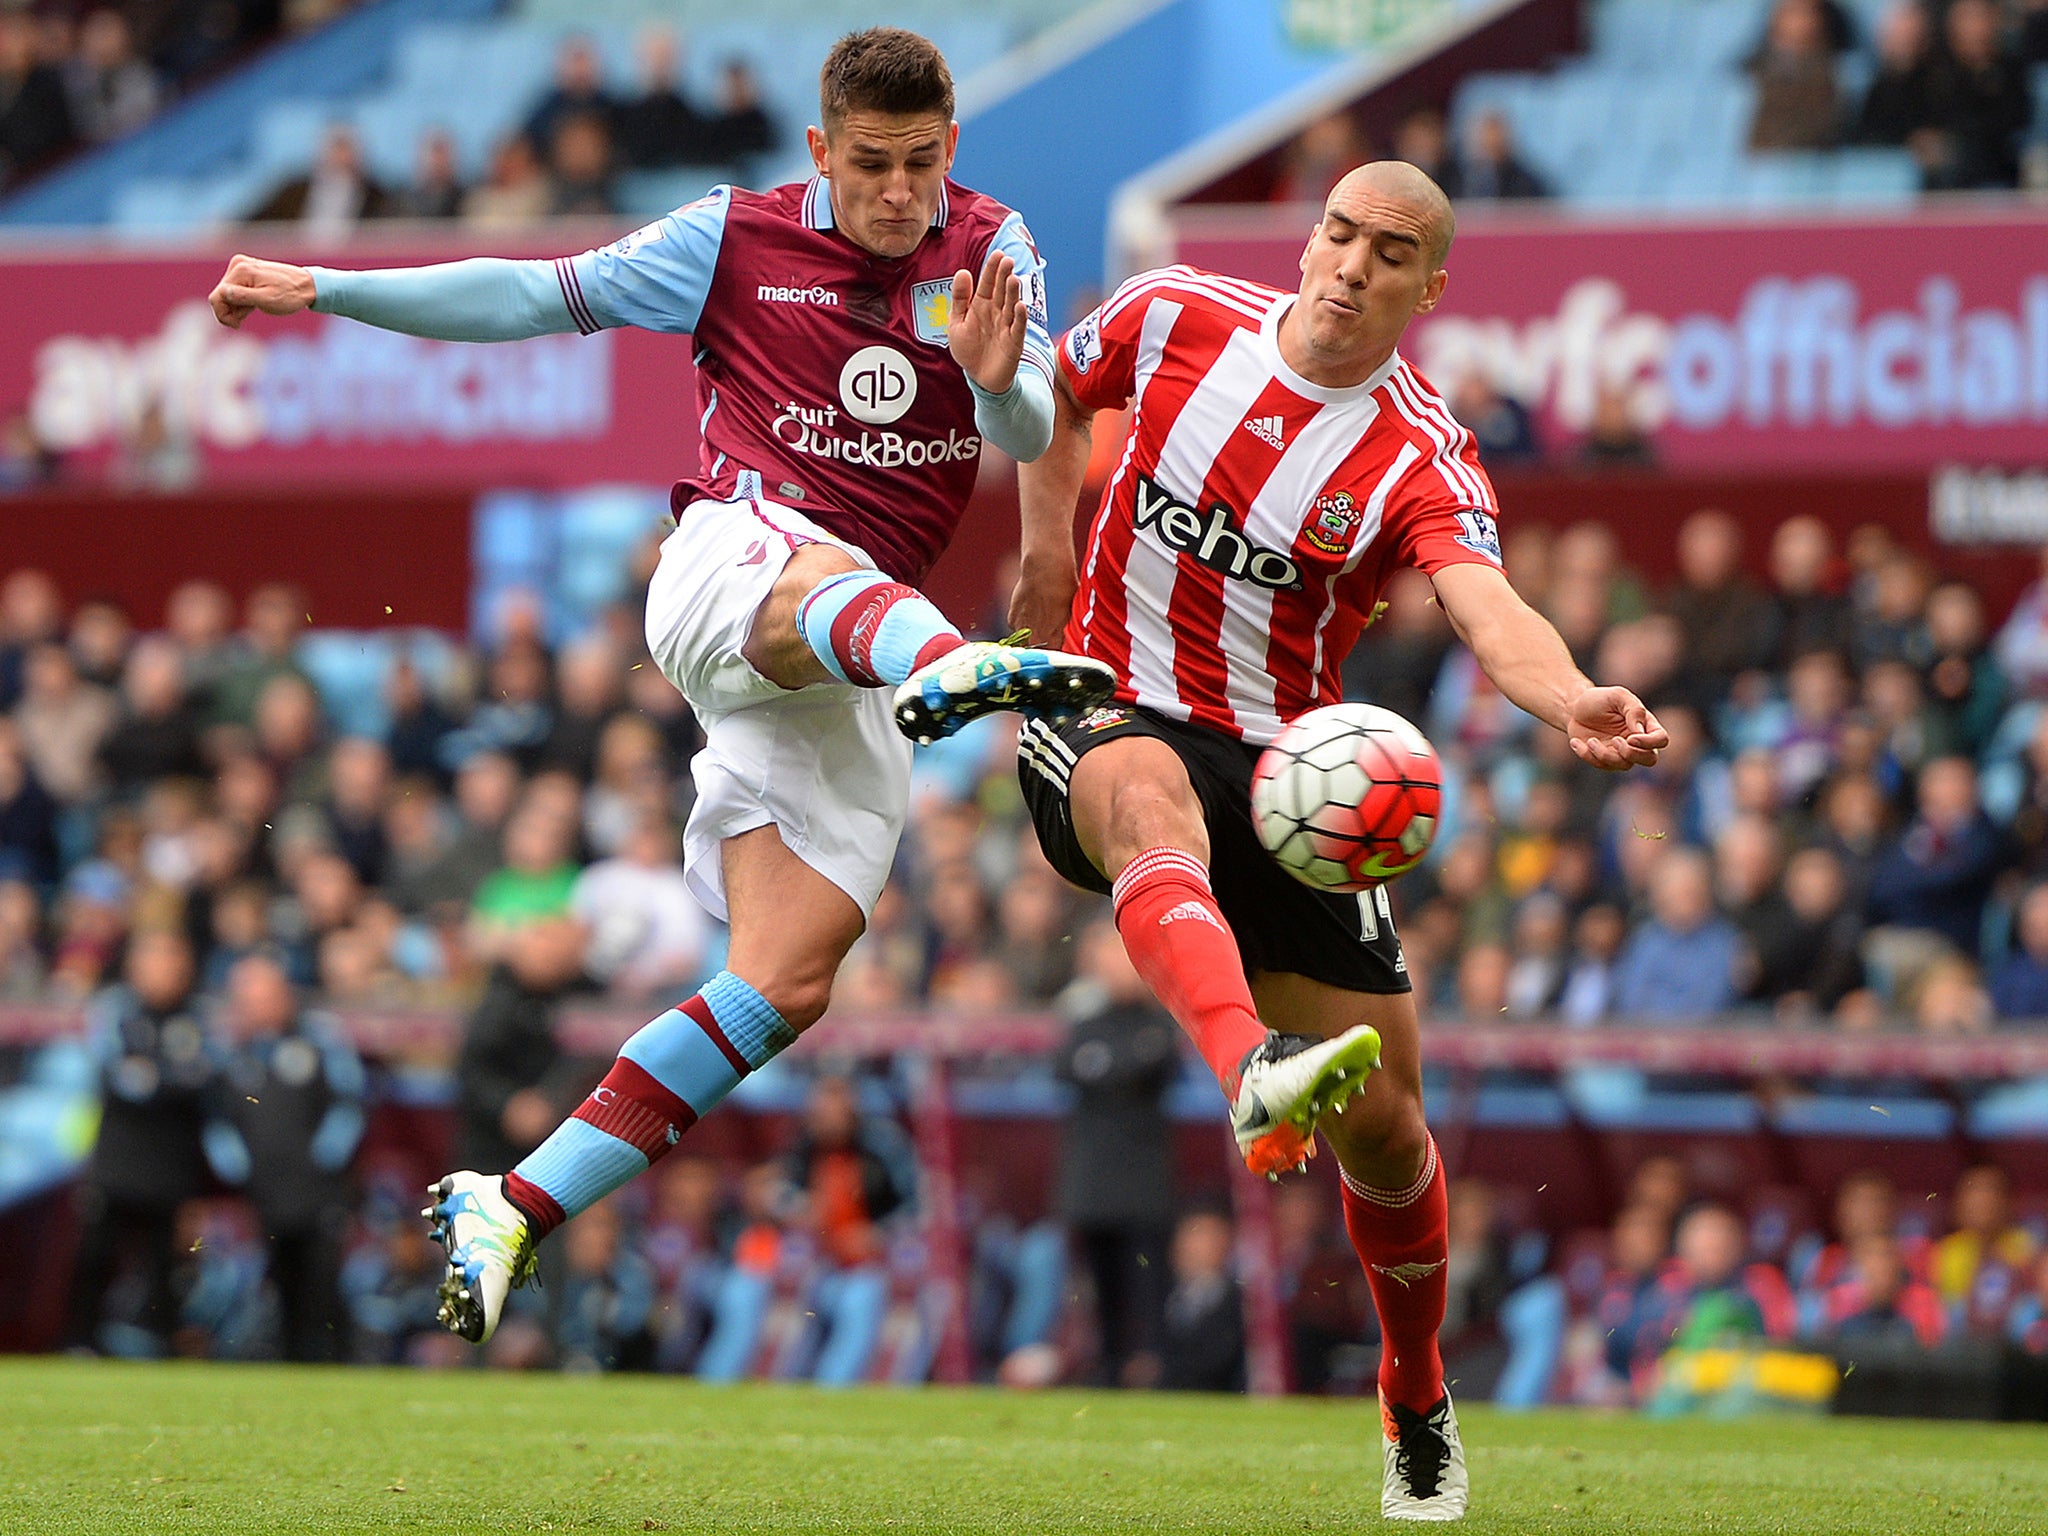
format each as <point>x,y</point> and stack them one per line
<point>849,367</point>
<point>1282,460</point>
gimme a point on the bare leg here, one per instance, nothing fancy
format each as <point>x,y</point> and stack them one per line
<point>1379,1138</point>
<point>790,925</point>
<point>774,647</point>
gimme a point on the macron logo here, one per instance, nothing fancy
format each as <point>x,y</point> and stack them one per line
<point>769,293</point>
<point>1190,912</point>
<point>1270,430</point>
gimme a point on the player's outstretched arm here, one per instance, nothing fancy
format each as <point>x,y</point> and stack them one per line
<point>1047,490</point>
<point>1527,660</point>
<point>482,299</point>
<point>990,325</point>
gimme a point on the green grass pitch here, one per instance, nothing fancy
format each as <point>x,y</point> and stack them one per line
<point>107,1448</point>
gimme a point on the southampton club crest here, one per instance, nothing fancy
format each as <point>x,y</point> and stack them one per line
<point>1337,516</point>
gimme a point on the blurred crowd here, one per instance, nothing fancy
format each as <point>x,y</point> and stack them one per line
<point>565,159</point>
<point>1850,826</point>
<point>73,76</point>
<point>1949,83</point>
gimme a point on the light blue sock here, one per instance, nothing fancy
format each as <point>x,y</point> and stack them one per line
<point>872,631</point>
<point>671,1074</point>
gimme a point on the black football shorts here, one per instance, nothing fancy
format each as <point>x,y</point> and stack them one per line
<point>1281,924</point>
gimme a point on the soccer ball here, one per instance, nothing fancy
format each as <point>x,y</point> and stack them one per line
<point>1347,797</point>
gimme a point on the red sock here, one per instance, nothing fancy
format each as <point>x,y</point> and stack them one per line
<point>1402,1237</point>
<point>1177,939</point>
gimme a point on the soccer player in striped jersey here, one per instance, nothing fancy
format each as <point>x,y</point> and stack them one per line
<point>1281,461</point>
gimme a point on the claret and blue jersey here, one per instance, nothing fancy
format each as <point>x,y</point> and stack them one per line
<point>823,375</point>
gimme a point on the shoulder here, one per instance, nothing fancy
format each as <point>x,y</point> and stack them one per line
<point>1235,299</point>
<point>975,215</point>
<point>1446,464</point>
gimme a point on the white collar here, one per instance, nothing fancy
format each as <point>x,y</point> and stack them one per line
<point>1269,337</point>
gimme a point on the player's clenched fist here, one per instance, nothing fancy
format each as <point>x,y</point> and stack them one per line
<point>250,284</point>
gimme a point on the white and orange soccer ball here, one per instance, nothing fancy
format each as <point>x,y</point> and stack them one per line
<point>1347,797</point>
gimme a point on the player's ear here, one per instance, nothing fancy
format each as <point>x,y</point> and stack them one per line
<point>952,143</point>
<point>814,137</point>
<point>1433,291</point>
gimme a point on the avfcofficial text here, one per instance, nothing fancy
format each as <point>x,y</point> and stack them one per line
<point>1212,540</point>
<point>768,293</point>
<point>805,430</point>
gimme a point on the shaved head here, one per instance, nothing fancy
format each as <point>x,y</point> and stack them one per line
<point>1398,181</point>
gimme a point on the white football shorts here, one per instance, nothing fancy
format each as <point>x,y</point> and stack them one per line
<point>825,764</point>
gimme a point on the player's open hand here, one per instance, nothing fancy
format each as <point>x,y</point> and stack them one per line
<point>986,335</point>
<point>251,285</point>
<point>1611,728</point>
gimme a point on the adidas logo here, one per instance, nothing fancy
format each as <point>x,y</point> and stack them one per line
<point>1190,911</point>
<point>1269,430</point>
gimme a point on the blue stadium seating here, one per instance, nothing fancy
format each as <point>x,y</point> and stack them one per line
<point>1657,115</point>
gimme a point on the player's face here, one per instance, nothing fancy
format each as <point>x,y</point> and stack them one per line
<point>887,174</point>
<point>1367,270</point>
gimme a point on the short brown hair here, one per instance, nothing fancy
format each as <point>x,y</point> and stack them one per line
<point>884,69</point>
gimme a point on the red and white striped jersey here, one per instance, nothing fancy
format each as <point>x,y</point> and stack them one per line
<point>1254,517</point>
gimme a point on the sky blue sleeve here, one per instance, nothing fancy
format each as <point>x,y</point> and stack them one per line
<point>655,278</point>
<point>485,298</point>
<point>1015,242</point>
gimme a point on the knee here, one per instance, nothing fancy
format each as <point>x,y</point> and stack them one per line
<point>800,999</point>
<point>1383,1143</point>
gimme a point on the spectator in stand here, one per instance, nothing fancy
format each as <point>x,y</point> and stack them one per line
<point>1809,612</point>
<point>2019,984</point>
<point>515,1085</point>
<point>62,721</point>
<point>1880,1301</point>
<point>1966,689</point>
<point>578,91</point>
<point>1423,142</point>
<point>158,730</point>
<point>1981,101</point>
<point>1502,425</point>
<point>2028,1325</point>
<point>1898,108</point>
<point>741,128</point>
<point>1937,877</point>
<point>517,713</point>
<point>28,815</point>
<point>1798,105</point>
<point>1726,619</point>
<point>392,1286</point>
<point>156,1069</point>
<point>267,647</point>
<point>1983,1263</point>
<point>1820,965</point>
<point>1710,1296</point>
<point>516,190</point>
<point>418,723</point>
<point>436,191</point>
<point>647,934</point>
<point>660,127</point>
<point>2021,646</point>
<point>35,118</point>
<point>1489,167</point>
<point>1681,964</point>
<point>197,619</point>
<point>1318,159</point>
<point>1203,1345</point>
<point>100,639</point>
<point>689,1232</point>
<point>1889,602</point>
<point>1115,1190</point>
<point>26,461</point>
<point>608,1296</point>
<point>588,680</point>
<point>1398,660</point>
<point>1034,926</point>
<point>23,973</point>
<point>1638,1246</point>
<point>331,199</point>
<point>111,92</point>
<point>848,1176</point>
<point>1748,861</point>
<point>291,1116</point>
<point>580,163</point>
<point>1615,438</point>
<point>31,612</point>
